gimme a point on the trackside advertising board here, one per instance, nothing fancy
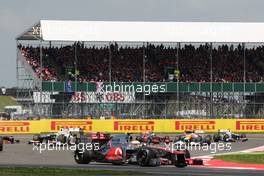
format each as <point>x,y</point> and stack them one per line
<point>131,126</point>
<point>23,127</point>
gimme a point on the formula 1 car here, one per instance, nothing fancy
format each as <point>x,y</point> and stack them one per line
<point>194,138</point>
<point>9,140</point>
<point>228,136</point>
<point>152,138</point>
<point>64,136</point>
<point>119,151</point>
<point>46,138</point>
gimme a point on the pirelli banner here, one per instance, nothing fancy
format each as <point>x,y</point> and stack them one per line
<point>131,126</point>
<point>23,127</point>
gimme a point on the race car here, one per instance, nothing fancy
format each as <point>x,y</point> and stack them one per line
<point>118,150</point>
<point>9,140</point>
<point>152,138</point>
<point>228,136</point>
<point>194,138</point>
<point>46,138</point>
<point>64,136</point>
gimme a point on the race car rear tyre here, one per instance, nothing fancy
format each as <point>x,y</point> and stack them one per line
<point>216,138</point>
<point>208,139</point>
<point>138,138</point>
<point>11,139</point>
<point>177,138</point>
<point>83,158</point>
<point>226,138</point>
<point>1,144</point>
<point>243,135</point>
<point>149,141</point>
<point>179,160</point>
<point>166,139</point>
<point>147,157</point>
<point>36,137</point>
<point>198,139</point>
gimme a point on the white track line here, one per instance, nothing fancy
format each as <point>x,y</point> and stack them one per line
<point>244,168</point>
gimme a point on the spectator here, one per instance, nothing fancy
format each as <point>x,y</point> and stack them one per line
<point>127,63</point>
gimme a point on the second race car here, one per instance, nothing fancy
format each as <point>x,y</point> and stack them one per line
<point>194,138</point>
<point>228,136</point>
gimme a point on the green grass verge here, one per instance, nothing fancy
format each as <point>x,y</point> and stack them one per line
<point>60,172</point>
<point>6,101</point>
<point>249,158</point>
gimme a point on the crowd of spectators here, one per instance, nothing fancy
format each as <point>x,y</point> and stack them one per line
<point>47,72</point>
<point>126,64</point>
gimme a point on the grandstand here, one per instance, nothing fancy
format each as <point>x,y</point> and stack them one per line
<point>174,69</point>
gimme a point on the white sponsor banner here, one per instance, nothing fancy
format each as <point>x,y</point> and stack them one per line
<point>89,97</point>
<point>103,97</point>
<point>45,98</point>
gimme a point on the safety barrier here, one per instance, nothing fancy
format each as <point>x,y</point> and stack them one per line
<point>131,126</point>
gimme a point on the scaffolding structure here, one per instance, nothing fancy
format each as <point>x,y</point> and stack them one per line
<point>179,104</point>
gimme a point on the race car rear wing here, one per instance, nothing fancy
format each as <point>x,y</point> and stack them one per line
<point>195,131</point>
<point>199,131</point>
<point>223,131</point>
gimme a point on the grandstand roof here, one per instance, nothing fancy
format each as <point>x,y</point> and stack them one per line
<point>104,31</point>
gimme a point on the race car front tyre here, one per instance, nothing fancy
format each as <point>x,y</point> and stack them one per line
<point>84,157</point>
<point>36,137</point>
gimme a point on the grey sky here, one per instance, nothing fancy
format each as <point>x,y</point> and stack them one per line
<point>18,15</point>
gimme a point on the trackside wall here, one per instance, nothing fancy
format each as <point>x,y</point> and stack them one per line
<point>132,126</point>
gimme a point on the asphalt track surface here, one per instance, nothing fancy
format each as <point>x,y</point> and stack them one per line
<point>23,155</point>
